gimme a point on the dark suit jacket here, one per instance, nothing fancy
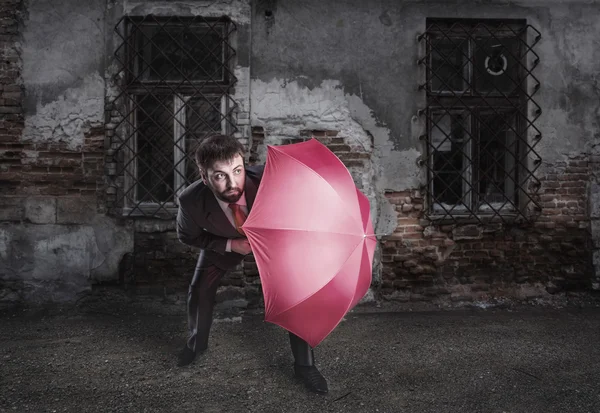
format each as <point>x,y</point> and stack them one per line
<point>202,223</point>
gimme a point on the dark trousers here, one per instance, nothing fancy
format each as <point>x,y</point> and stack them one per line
<point>200,305</point>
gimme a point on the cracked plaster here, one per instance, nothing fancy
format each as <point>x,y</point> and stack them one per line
<point>70,116</point>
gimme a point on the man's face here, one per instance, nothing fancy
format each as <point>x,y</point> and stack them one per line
<point>226,179</point>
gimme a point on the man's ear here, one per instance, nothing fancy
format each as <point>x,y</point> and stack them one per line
<point>202,175</point>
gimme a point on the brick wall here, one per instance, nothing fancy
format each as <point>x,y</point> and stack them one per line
<point>337,144</point>
<point>51,171</point>
<point>11,112</point>
<point>258,139</point>
<point>422,261</point>
<point>54,169</point>
<point>161,265</point>
<point>31,169</point>
<point>469,262</point>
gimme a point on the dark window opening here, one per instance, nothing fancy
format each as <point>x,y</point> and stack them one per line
<point>480,114</point>
<point>175,83</point>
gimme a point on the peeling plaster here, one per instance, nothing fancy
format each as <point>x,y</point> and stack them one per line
<point>114,76</point>
<point>242,88</point>
<point>238,10</point>
<point>70,116</point>
<point>388,218</point>
<point>398,169</point>
<point>401,171</point>
<point>283,108</point>
<point>286,108</point>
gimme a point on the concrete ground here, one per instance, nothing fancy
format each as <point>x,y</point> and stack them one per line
<point>111,357</point>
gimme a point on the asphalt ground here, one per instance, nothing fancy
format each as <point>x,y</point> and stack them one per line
<point>121,357</point>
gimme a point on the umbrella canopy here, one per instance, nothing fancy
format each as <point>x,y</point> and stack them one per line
<point>311,235</point>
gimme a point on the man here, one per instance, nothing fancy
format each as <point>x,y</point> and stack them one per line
<point>211,213</point>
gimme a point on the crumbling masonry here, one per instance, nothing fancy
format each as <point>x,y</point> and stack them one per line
<point>361,78</point>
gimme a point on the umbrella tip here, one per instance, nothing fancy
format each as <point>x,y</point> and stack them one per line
<point>376,235</point>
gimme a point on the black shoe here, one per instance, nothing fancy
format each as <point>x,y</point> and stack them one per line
<point>186,356</point>
<point>312,378</point>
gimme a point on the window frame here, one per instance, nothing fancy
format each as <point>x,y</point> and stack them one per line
<point>472,102</point>
<point>180,93</point>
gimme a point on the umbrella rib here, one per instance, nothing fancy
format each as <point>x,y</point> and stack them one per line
<point>349,303</point>
<point>303,230</point>
<point>314,172</point>
<point>328,281</point>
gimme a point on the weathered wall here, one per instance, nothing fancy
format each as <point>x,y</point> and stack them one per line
<point>344,72</point>
<point>60,234</point>
<point>158,263</point>
<point>56,241</point>
<point>11,126</point>
<point>351,67</point>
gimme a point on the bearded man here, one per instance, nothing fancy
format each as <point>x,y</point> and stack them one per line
<point>211,213</point>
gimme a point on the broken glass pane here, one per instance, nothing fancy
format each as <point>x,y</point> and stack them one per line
<point>154,158</point>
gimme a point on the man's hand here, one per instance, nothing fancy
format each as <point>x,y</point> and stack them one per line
<point>241,246</point>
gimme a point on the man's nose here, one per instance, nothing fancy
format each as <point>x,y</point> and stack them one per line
<point>231,184</point>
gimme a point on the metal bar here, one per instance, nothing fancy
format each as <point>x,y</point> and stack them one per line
<point>211,35</point>
<point>179,129</point>
<point>506,172</point>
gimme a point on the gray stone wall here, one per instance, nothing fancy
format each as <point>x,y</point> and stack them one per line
<point>56,241</point>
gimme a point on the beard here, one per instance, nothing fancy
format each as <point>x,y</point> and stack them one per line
<point>230,196</point>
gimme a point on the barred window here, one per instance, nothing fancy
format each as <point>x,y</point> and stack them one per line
<point>175,87</point>
<point>480,136</point>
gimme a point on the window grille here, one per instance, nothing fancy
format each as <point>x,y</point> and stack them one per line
<point>175,82</point>
<point>480,115</point>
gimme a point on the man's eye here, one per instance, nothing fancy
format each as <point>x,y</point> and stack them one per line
<point>238,171</point>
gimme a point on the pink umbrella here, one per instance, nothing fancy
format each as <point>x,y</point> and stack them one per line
<point>311,235</point>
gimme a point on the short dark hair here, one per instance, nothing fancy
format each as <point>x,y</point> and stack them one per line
<point>217,148</point>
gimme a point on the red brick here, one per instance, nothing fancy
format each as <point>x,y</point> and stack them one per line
<point>339,148</point>
<point>408,229</point>
<point>351,164</point>
<point>402,221</point>
<point>354,155</point>
<point>416,235</point>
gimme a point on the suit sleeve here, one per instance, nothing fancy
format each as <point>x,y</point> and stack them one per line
<point>190,233</point>
<point>260,171</point>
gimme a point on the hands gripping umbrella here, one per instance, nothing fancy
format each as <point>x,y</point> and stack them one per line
<point>311,234</point>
